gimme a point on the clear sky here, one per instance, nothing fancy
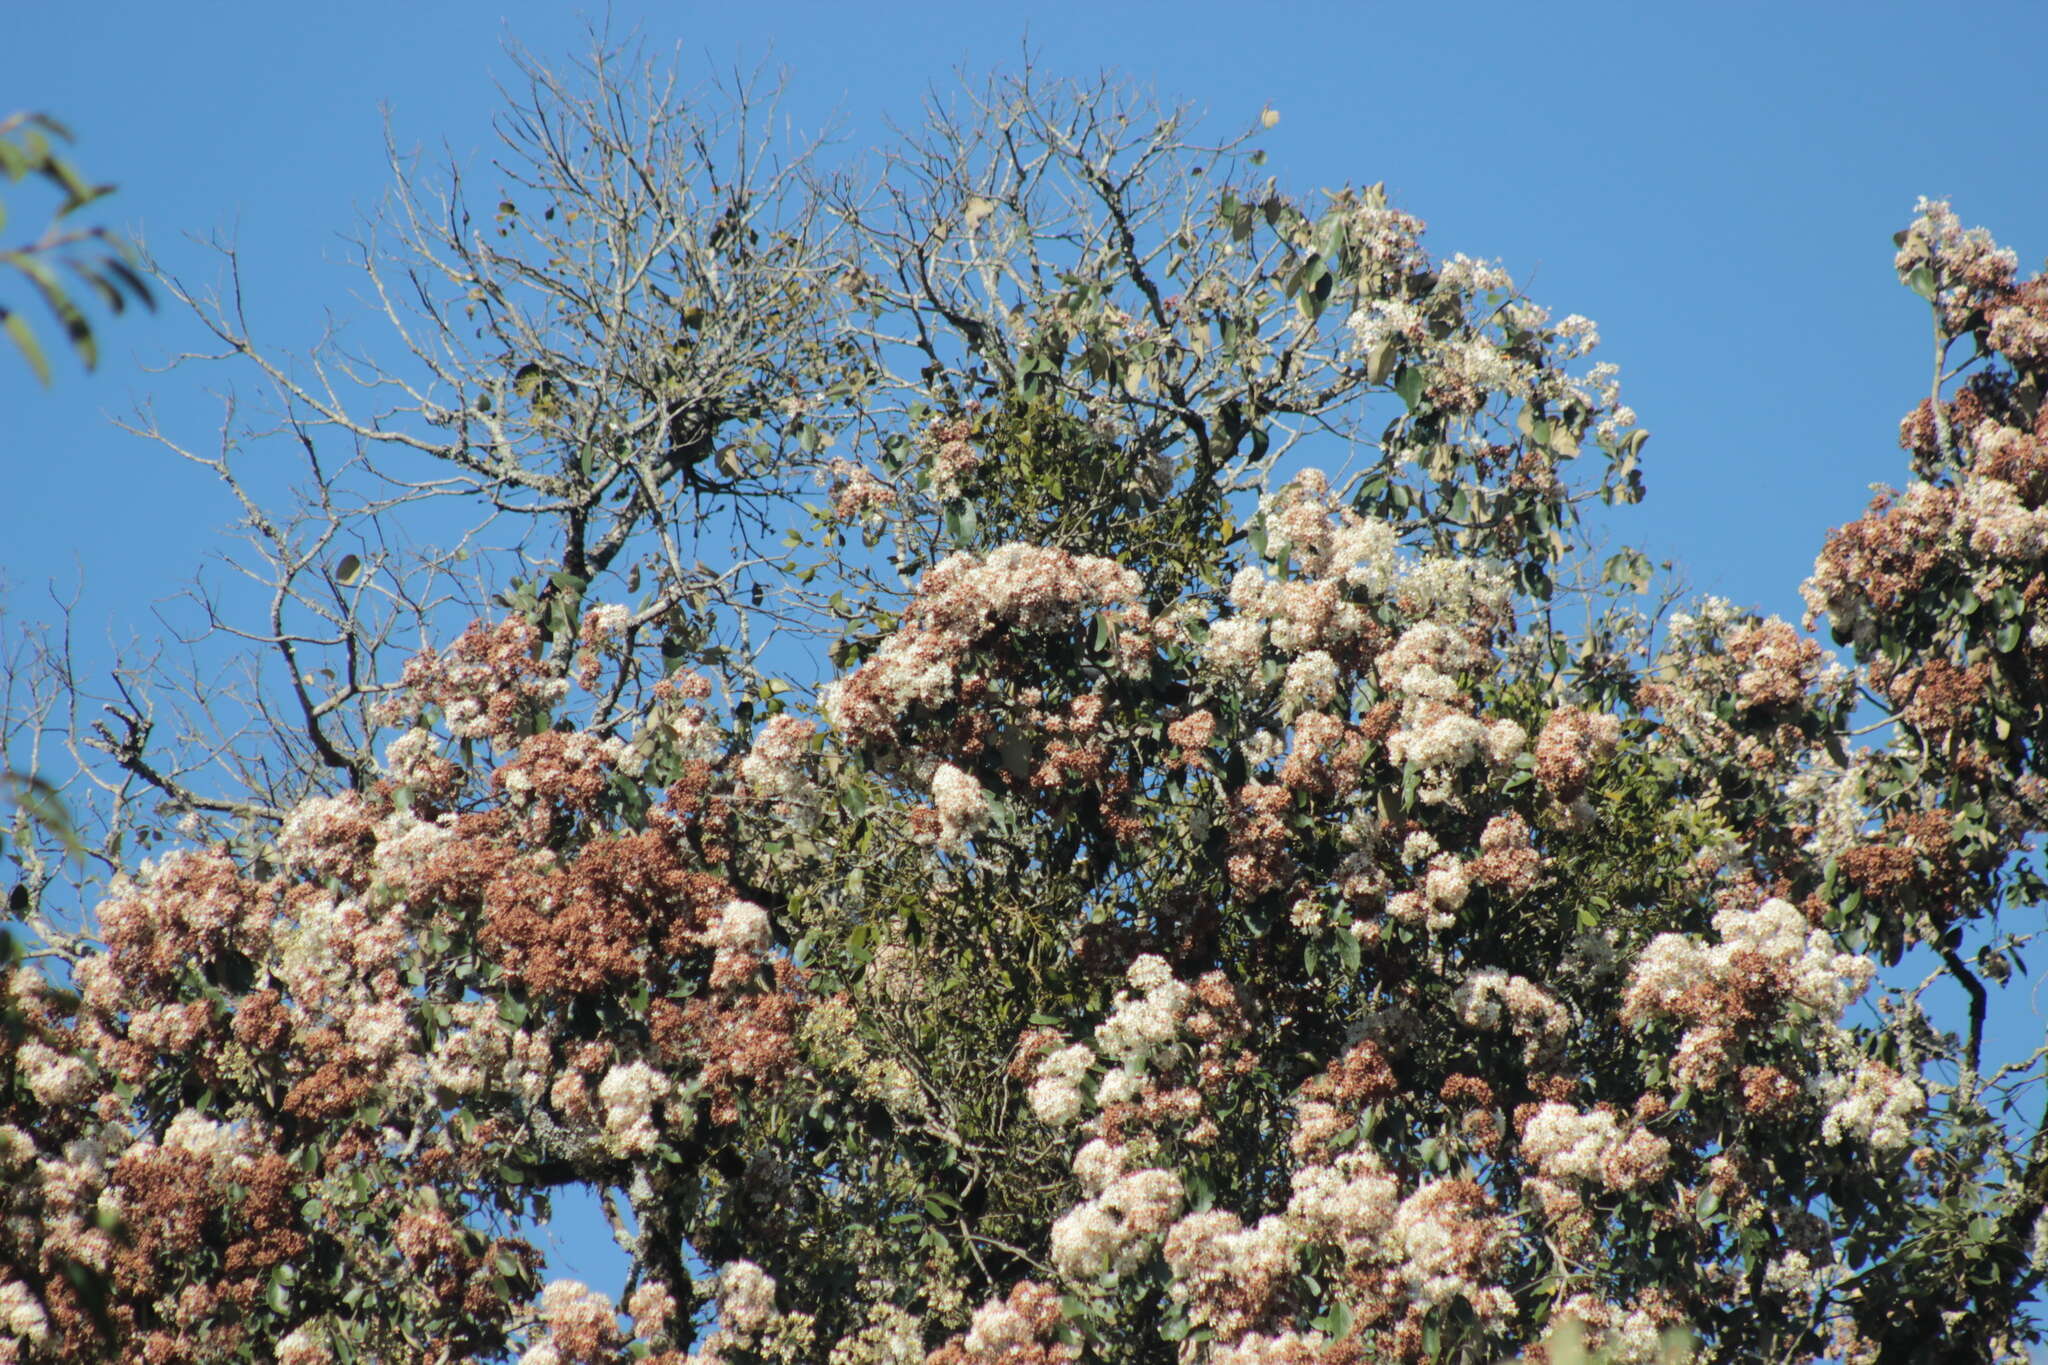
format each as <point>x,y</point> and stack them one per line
<point>1715,184</point>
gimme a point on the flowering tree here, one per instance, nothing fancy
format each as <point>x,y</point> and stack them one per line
<point>1214,912</point>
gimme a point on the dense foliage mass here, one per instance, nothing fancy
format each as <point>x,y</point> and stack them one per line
<point>1214,910</point>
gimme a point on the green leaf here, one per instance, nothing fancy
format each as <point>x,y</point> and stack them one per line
<point>68,314</point>
<point>39,800</point>
<point>1336,1322</point>
<point>1921,281</point>
<point>1347,949</point>
<point>135,283</point>
<point>1408,382</point>
<point>26,341</point>
<point>1380,363</point>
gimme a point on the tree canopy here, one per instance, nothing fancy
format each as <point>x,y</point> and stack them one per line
<point>1029,753</point>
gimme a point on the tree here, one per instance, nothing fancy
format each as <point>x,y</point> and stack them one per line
<point>1218,911</point>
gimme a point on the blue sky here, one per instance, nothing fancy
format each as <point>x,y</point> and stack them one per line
<point>1716,185</point>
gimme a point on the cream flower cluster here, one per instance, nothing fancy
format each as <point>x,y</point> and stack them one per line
<point>1564,1143</point>
<point>961,803</point>
<point>1111,1231</point>
<point>1966,262</point>
<point>1997,523</point>
<point>1146,1019</point>
<point>961,601</point>
<point>629,1094</point>
<point>1814,973</point>
<point>773,769</point>
<point>1874,1105</point>
<point>1438,734</point>
<point>1487,1000</point>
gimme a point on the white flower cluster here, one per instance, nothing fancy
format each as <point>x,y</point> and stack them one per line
<point>1871,1103</point>
<point>1306,522</point>
<point>746,1299</point>
<point>629,1093</point>
<point>1285,1348</point>
<point>1564,1143</point>
<point>1804,958</point>
<point>1444,890</point>
<point>773,769</point>
<point>961,601</point>
<point>380,1030</point>
<point>1146,1019</point>
<point>1234,648</point>
<point>1622,1337</point>
<point>651,1306</point>
<point>997,1328</point>
<point>473,1052</point>
<point>577,751</point>
<point>405,844</point>
<point>1467,276</point>
<point>742,927</point>
<point>1487,999</point>
<point>1385,242</point>
<point>1449,1236</point>
<point>1142,1024</point>
<point>961,803</point>
<point>1055,1093</point>
<point>1998,523</point>
<point>580,1322</point>
<point>693,734</point>
<point>1340,554</point>
<point>406,758</point>
<point>1483,352</point>
<point>1444,1240</point>
<point>1109,1234</point>
<point>1310,683</point>
<point>746,1312</point>
<point>1833,802</point>
<point>606,618</point>
<point>303,1345</point>
<point>1438,733</point>
<point>1217,1261</point>
<point>1875,1106</point>
<point>54,1079</point>
<point>1350,1205</point>
<point>211,1141</point>
<point>1475,362</point>
<point>1966,262</point>
<point>1466,591</point>
<point>21,1313</point>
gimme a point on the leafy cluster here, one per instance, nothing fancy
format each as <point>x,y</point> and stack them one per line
<point>95,257</point>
